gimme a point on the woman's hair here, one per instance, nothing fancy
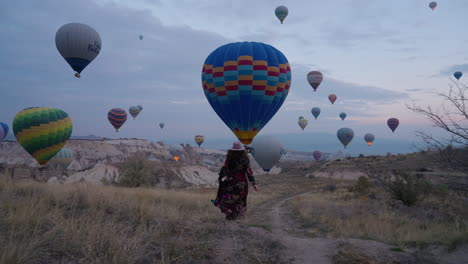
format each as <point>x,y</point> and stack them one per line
<point>234,157</point>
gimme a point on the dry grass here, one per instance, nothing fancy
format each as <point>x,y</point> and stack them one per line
<point>103,224</point>
<point>342,214</point>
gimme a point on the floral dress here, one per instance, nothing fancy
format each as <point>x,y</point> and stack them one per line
<point>234,188</point>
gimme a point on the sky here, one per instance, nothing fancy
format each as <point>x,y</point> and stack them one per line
<point>376,56</point>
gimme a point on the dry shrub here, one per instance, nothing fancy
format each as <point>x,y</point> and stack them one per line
<point>136,172</point>
<point>406,187</point>
<point>362,186</point>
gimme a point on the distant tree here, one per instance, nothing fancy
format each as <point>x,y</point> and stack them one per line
<point>453,118</point>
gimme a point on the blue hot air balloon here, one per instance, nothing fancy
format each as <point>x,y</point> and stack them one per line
<point>393,123</point>
<point>3,130</point>
<point>343,115</point>
<point>458,75</point>
<point>345,135</point>
<point>315,112</point>
<point>246,83</point>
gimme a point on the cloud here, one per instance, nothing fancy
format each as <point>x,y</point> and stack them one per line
<point>454,68</point>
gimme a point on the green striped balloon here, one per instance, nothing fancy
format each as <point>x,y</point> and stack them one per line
<point>42,131</point>
<point>62,159</point>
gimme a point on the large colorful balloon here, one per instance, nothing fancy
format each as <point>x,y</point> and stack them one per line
<point>42,131</point>
<point>246,83</point>
<point>134,111</point>
<point>141,37</point>
<point>343,115</point>
<point>62,159</point>
<point>315,112</point>
<point>281,13</point>
<point>302,123</point>
<point>161,125</point>
<point>79,44</point>
<point>332,98</point>
<point>314,78</point>
<point>393,123</point>
<point>345,135</point>
<point>433,5</point>
<point>117,117</point>
<point>199,139</point>
<point>458,75</point>
<point>369,138</point>
<point>267,151</point>
<point>3,131</point>
<point>317,155</point>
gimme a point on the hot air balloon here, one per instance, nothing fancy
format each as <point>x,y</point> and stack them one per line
<point>161,125</point>
<point>458,75</point>
<point>62,159</point>
<point>199,139</point>
<point>343,115</point>
<point>369,138</point>
<point>176,151</point>
<point>79,44</point>
<point>315,112</point>
<point>345,135</point>
<point>117,117</point>
<point>393,123</point>
<point>134,111</point>
<point>3,131</point>
<point>317,155</point>
<point>267,151</point>
<point>433,5</point>
<point>246,83</point>
<point>332,98</point>
<point>141,37</point>
<point>302,123</point>
<point>314,78</point>
<point>281,13</point>
<point>141,107</point>
<point>42,131</point>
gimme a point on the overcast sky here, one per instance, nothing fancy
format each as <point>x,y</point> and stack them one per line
<point>376,56</point>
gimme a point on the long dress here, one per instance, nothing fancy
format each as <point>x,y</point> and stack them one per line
<point>234,188</point>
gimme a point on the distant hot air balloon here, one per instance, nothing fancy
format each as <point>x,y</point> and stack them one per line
<point>332,98</point>
<point>317,155</point>
<point>161,125</point>
<point>246,83</point>
<point>393,123</point>
<point>458,75</point>
<point>369,138</point>
<point>141,37</point>
<point>117,117</point>
<point>302,123</point>
<point>267,151</point>
<point>345,135</point>
<point>141,107</point>
<point>314,78</point>
<point>134,111</point>
<point>176,151</point>
<point>176,158</point>
<point>433,5</point>
<point>79,45</point>
<point>3,131</point>
<point>62,159</point>
<point>199,139</point>
<point>343,115</point>
<point>315,112</point>
<point>281,13</point>
<point>42,131</point>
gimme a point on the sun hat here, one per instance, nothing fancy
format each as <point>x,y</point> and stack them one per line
<point>237,146</point>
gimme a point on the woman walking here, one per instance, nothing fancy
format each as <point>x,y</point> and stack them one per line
<point>233,186</point>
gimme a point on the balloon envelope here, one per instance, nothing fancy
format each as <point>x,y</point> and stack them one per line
<point>281,13</point>
<point>141,37</point>
<point>161,125</point>
<point>3,130</point>
<point>117,117</point>
<point>343,115</point>
<point>42,131</point>
<point>314,78</point>
<point>345,135</point>
<point>63,158</point>
<point>79,45</point>
<point>369,138</point>
<point>134,111</point>
<point>393,123</point>
<point>246,83</point>
<point>332,98</point>
<point>315,112</point>
<point>433,5</point>
<point>317,155</point>
<point>199,139</point>
<point>267,151</point>
<point>458,75</point>
<point>303,123</point>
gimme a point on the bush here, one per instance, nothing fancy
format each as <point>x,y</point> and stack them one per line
<point>136,172</point>
<point>406,187</point>
<point>330,187</point>
<point>362,186</point>
<point>361,155</point>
